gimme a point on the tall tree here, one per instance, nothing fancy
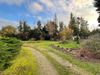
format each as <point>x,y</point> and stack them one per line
<point>51,29</point>
<point>61,25</point>
<point>45,32</point>
<point>73,25</point>
<point>55,23</point>
<point>39,26</point>
<point>26,28</point>
<point>97,4</point>
<point>20,26</point>
<point>84,31</point>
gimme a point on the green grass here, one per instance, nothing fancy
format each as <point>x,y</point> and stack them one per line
<point>60,69</point>
<point>71,45</point>
<point>23,64</point>
<point>90,67</point>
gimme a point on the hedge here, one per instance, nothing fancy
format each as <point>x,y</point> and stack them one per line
<point>9,48</point>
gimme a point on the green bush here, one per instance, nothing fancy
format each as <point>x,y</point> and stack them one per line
<point>92,44</point>
<point>9,47</point>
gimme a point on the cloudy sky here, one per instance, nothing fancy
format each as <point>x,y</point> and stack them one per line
<point>11,11</point>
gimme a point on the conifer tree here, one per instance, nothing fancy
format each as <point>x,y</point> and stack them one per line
<point>97,4</point>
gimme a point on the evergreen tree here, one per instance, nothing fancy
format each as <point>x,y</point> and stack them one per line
<point>20,26</point>
<point>97,4</point>
<point>73,25</point>
<point>84,31</point>
<point>61,25</point>
<point>55,24</point>
<point>26,28</point>
<point>39,26</point>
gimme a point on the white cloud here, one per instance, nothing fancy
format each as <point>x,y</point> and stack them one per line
<point>85,9</point>
<point>63,8</point>
<point>80,8</point>
<point>11,2</point>
<point>48,3</point>
<point>35,7</point>
<point>4,22</point>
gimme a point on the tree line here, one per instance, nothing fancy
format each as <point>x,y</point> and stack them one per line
<point>50,31</point>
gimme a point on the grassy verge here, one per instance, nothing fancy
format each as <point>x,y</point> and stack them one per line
<point>71,45</point>
<point>60,69</point>
<point>90,67</point>
<point>23,64</point>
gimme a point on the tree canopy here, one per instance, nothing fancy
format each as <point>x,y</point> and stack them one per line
<point>97,5</point>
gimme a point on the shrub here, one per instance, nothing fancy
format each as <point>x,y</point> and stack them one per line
<point>65,34</point>
<point>9,47</point>
<point>93,46</point>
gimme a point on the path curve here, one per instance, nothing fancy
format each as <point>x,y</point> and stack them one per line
<point>45,68</point>
<point>67,64</point>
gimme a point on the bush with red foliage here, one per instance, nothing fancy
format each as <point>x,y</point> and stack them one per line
<point>22,36</point>
<point>84,53</point>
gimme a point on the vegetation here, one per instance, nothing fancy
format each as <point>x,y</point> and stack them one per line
<point>61,25</point>
<point>71,45</point>
<point>60,69</point>
<point>36,33</point>
<point>23,27</point>
<point>93,46</point>
<point>95,31</point>
<point>39,25</point>
<point>97,4</point>
<point>9,47</point>
<point>23,64</point>
<point>90,67</point>
<point>51,29</point>
<point>65,34</point>
<point>8,31</point>
<point>73,24</point>
<point>79,26</point>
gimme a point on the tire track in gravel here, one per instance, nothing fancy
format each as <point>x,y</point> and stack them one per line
<point>67,64</point>
<point>45,67</point>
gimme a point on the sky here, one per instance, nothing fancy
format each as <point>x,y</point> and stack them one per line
<point>11,11</point>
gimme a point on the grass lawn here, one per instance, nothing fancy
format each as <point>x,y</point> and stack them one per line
<point>71,45</point>
<point>23,64</point>
<point>90,67</point>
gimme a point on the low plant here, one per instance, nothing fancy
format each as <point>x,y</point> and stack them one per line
<point>92,45</point>
<point>9,47</point>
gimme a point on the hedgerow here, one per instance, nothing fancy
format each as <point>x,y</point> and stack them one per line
<point>9,47</point>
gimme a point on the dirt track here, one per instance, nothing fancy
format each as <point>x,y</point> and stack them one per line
<point>45,68</point>
<point>76,70</point>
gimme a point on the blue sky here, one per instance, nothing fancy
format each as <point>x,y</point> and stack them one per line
<point>11,11</point>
